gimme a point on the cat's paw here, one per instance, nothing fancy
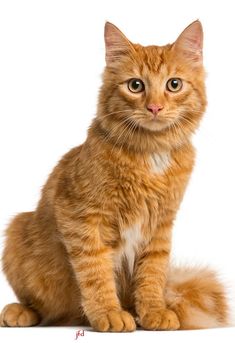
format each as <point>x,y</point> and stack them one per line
<point>115,321</point>
<point>160,320</point>
<point>18,315</point>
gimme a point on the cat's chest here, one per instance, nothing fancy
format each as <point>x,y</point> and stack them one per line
<point>144,183</point>
<point>159,163</point>
<point>149,197</point>
<point>132,241</point>
<point>142,213</point>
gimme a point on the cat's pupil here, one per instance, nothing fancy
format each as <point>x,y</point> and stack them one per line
<point>136,84</point>
<point>174,84</point>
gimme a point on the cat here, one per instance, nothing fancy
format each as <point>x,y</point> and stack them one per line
<point>96,249</point>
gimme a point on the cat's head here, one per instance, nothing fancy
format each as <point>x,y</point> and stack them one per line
<point>154,91</point>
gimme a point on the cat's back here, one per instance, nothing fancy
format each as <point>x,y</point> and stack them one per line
<point>64,170</point>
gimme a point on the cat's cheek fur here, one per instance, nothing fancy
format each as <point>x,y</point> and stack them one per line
<point>133,100</point>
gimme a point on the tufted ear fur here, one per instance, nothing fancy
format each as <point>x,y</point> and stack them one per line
<point>116,43</point>
<point>190,43</point>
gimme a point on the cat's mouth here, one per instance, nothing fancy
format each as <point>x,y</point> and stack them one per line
<point>157,123</point>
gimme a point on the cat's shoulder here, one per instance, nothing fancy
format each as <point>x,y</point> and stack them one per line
<point>71,155</point>
<point>184,156</point>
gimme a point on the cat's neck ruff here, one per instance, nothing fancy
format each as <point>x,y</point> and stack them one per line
<point>140,144</point>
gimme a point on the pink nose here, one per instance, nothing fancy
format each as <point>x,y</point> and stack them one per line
<point>154,108</point>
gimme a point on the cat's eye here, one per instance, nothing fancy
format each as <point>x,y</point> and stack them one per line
<point>135,85</point>
<point>174,85</point>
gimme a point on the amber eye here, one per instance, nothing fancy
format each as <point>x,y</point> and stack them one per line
<point>136,85</point>
<point>174,85</point>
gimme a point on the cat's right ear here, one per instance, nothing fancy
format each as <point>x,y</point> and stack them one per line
<point>116,43</point>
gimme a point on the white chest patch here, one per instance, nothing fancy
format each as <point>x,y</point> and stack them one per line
<point>160,162</point>
<point>131,238</point>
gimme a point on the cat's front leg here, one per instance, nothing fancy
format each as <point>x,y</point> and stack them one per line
<point>93,268</point>
<point>150,280</point>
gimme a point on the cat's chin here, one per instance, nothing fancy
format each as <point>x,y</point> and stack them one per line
<point>154,125</point>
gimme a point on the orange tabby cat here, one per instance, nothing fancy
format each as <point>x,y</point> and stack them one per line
<point>96,250</point>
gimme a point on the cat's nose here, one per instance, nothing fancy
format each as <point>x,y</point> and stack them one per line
<point>154,108</point>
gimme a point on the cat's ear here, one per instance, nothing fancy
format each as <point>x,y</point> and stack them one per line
<point>116,43</point>
<point>190,43</point>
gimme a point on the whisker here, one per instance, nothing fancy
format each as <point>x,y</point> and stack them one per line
<point>135,125</point>
<point>115,128</point>
<point>179,129</point>
<point>129,123</point>
<point>127,134</point>
<point>186,120</point>
<point>116,112</point>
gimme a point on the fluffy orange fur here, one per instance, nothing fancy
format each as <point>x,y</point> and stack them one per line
<point>96,250</point>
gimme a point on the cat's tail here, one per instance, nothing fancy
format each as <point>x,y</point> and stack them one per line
<point>198,297</point>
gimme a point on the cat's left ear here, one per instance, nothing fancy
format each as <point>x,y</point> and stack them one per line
<point>190,43</point>
<point>116,43</point>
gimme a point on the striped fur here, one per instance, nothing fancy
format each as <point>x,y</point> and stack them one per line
<point>96,249</point>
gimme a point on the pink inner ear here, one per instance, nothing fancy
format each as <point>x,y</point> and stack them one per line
<point>195,42</point>
<point>115,42</point>
<point>193,48</point>
<point>190,42</point>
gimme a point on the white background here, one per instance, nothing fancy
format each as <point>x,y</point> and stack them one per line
<point>51,60</point>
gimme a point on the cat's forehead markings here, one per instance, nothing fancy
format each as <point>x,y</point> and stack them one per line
<point>155,77</point>
<point>163,69</point>
<point>153,58</point>
<point>152,66</point>
<point>137,72</point>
